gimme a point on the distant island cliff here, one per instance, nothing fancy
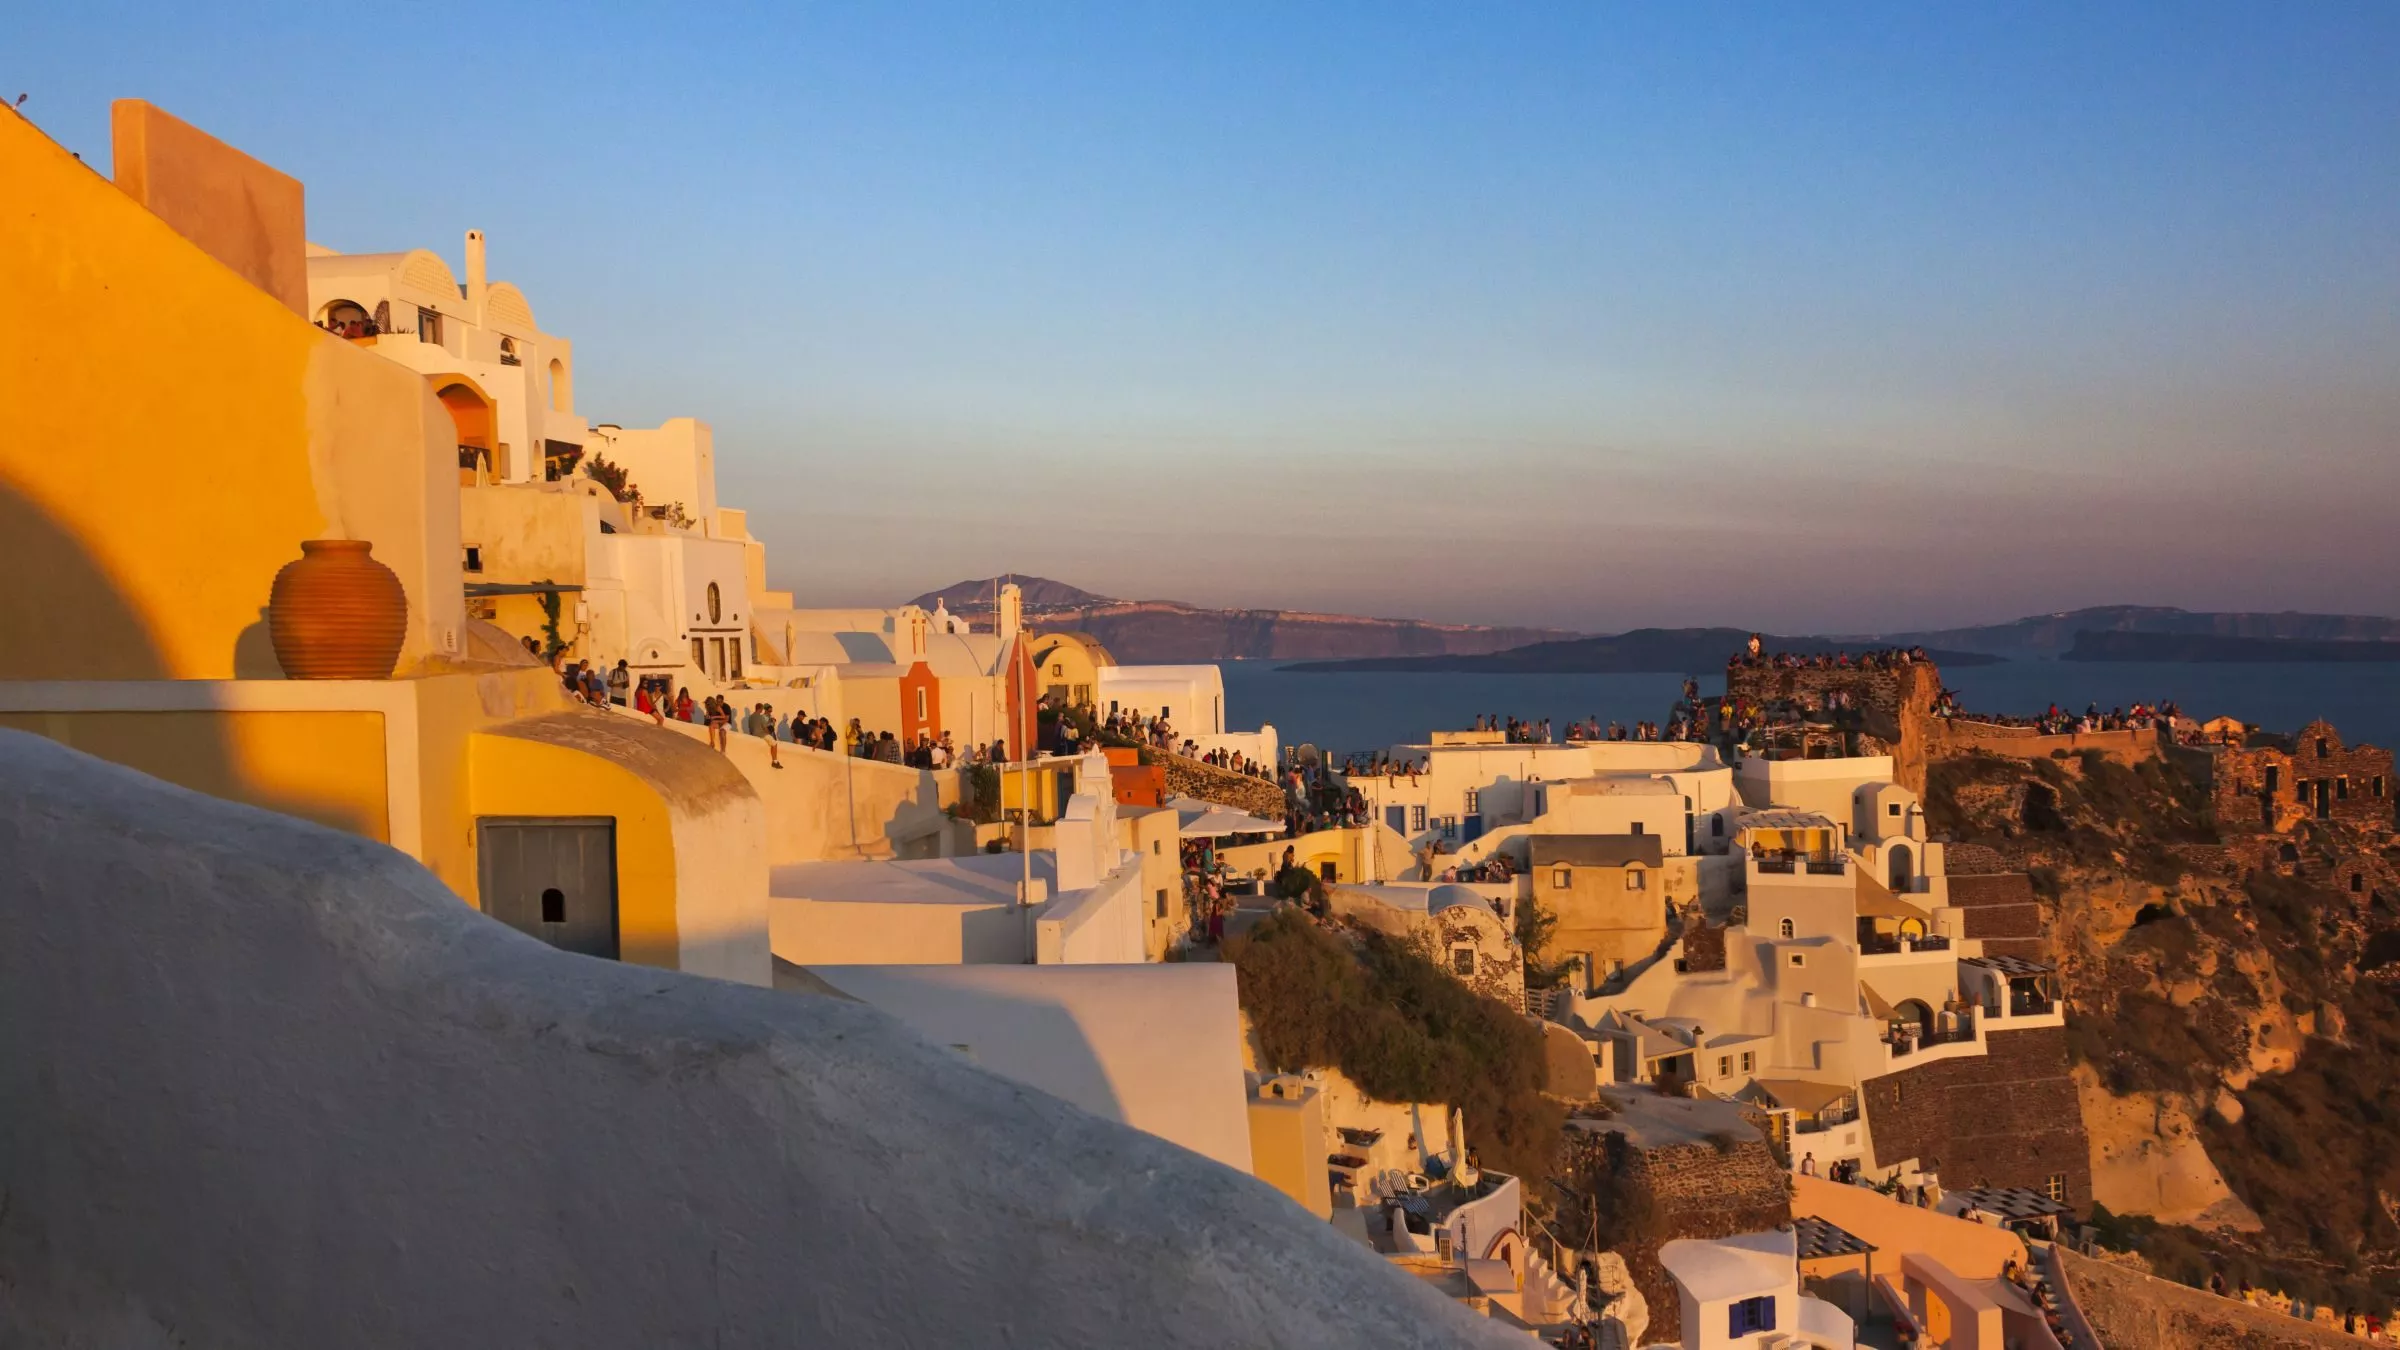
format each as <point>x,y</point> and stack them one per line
<point>2212,647</point>
<point>1141,632</point>
<point>1672,651</point>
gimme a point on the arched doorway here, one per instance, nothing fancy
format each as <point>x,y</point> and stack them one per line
<point>1903,867</point>
<point>471,414</point>
<point>1915,1012</point>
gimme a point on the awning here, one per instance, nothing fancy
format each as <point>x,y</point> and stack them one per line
<point>1807,1098</point>
<point>1877,1005</point>
<point>1876,901</point>
<point>513,588</point>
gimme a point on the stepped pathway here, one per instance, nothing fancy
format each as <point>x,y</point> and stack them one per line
<point>2132,1311</point>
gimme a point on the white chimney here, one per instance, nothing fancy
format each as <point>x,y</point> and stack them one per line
<point>1012,611</point>
<point>475,274</point>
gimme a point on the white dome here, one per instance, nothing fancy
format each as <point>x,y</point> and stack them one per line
<point>1443,897</point>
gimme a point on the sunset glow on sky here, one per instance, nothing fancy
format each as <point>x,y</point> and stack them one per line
<point>1802,317</point>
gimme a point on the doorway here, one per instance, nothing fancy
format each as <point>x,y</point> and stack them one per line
<point>553,877</point>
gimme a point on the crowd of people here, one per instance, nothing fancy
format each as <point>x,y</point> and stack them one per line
<point>1517,731</point>
<point>2058,721</point>
<point>1613,731</point>
<point>1755,655</point>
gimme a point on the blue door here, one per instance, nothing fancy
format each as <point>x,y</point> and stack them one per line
<point>1472,829</point>
<point>1397,818</point>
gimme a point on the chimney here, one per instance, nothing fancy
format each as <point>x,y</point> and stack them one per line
<point>1012,611</point>
<point>475,274</point>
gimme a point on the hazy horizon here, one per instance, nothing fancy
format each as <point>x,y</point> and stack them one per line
<point>1870,319</point>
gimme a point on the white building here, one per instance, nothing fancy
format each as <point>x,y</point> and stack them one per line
<point>1190,698</point>
<point>1743,1293</point>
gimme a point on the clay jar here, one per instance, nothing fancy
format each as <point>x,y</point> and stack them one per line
<point>336,613</point>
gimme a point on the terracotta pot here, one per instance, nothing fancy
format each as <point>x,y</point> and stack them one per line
<point>336,613</point>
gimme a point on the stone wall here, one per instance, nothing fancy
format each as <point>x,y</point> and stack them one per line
<point>1189,777</point>
<point>1703,946</point>
<point>1946,736</point>
<point>2267,789</point>
<point>1896,703</point>
<point>2009,1117</point>
<point>1703,1192</point>
<point>2002,910</point>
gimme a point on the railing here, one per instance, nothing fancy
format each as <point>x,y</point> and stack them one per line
<point>1877,944</point>
<point>1958,1034</point>
<point>2031,1005</point>
<point>1828,867</point>
<point>1778,866</point>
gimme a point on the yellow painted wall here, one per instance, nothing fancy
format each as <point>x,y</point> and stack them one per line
<point>171,433</point>
<point>515,777</point>
<point>1287,1150</point>
<point>323,766</point>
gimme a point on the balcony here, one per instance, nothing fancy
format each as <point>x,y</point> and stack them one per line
<point>1881,944</point>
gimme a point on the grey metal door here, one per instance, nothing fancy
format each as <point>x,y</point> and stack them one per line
<point>554,877</point>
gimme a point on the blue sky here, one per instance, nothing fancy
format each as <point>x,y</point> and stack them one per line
<point>1792,316</point>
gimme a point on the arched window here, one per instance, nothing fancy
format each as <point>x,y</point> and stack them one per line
<point>1784,929</point>
<point>716,604</point>
<point>558,385</point>
<point>508,352</point>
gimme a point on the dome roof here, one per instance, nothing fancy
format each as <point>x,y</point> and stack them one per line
<point>1443,897</point>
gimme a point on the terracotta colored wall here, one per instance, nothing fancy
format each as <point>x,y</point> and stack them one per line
<point>246,215</point>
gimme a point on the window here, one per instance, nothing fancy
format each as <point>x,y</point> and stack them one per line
<point>1416,819</point>
<point>733,658</point>
<point>508,352</point>
<point>1156,847</point>
<point>920,705</point>
<point>1784,929</point>
<point>2324,750</point>
<point>1325,870</point>
<point>1749,1061</point>
<point>1716,827</point>
<point>1751,1315</point>
<point>2377,784</point>
<point>429,327</point>
<point>1892,809</point>
<point>1474,800</point>
<point>716,605</point>
<point>1058,671</point>
<point>1449,825</point>
<point>1162,902</point>
<point>2341,788</point>
<point>2056,1187</point>
<point>2358,881</point>
<point>1462,960</point>
<point>1799,959</point>
<point>1635,879</point>
<point>1562,878</point>
<point>1639,828</point>
<point>474,557</point>
<point>554,905</point>
<point>1724,1066</point>
<point>700,654</point>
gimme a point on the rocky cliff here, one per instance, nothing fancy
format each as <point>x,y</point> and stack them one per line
<point>2232,1010</point>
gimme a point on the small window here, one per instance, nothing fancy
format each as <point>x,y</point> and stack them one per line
<point>1784,929</point>
<point>1639,828</point>
<point>1724,1066</point>
<point>2324,748</point>
<point>1474,800</point>
<point>1325,871</point>
<point>920,705</point>
<point>2341,788</point>
<point>716,605</point>
<point>1749,1061</point>
<point>1891,809</point>
<point>1059,670</point>
<point>1799,959</point>
<point>1716,827</point>
<point>2358,882</point>
<point>1462,960</point>
<point>1162,902</point>
<point>1416,819</point>
<point>474,557</point>
<point>1157,847</point>
<point>1751,1316</point>
<point>2056,1187</point>
<point>554,905</point>
<point>1562,878</point>
<point>1636,879</point>
<point>700,653</point>
<point>429,327</point>
<point>2377,784</point>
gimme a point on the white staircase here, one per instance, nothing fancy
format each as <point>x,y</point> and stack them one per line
<point>1547,1298</point>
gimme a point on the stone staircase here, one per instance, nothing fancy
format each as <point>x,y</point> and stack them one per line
<point>1261,797</point>
<point>1548,1299</point>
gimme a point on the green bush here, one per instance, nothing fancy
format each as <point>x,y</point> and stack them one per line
<point>1402,1029</point>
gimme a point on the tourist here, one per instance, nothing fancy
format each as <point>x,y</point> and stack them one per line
<point>1808,1162</point>
<point>683,705</point>
<point>620,683</point>
<point>720,719</point>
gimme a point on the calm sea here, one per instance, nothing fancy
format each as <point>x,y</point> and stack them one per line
<point>1365,711</point>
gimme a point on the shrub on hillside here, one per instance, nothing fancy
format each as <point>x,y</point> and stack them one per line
<point>1400,1027</point>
